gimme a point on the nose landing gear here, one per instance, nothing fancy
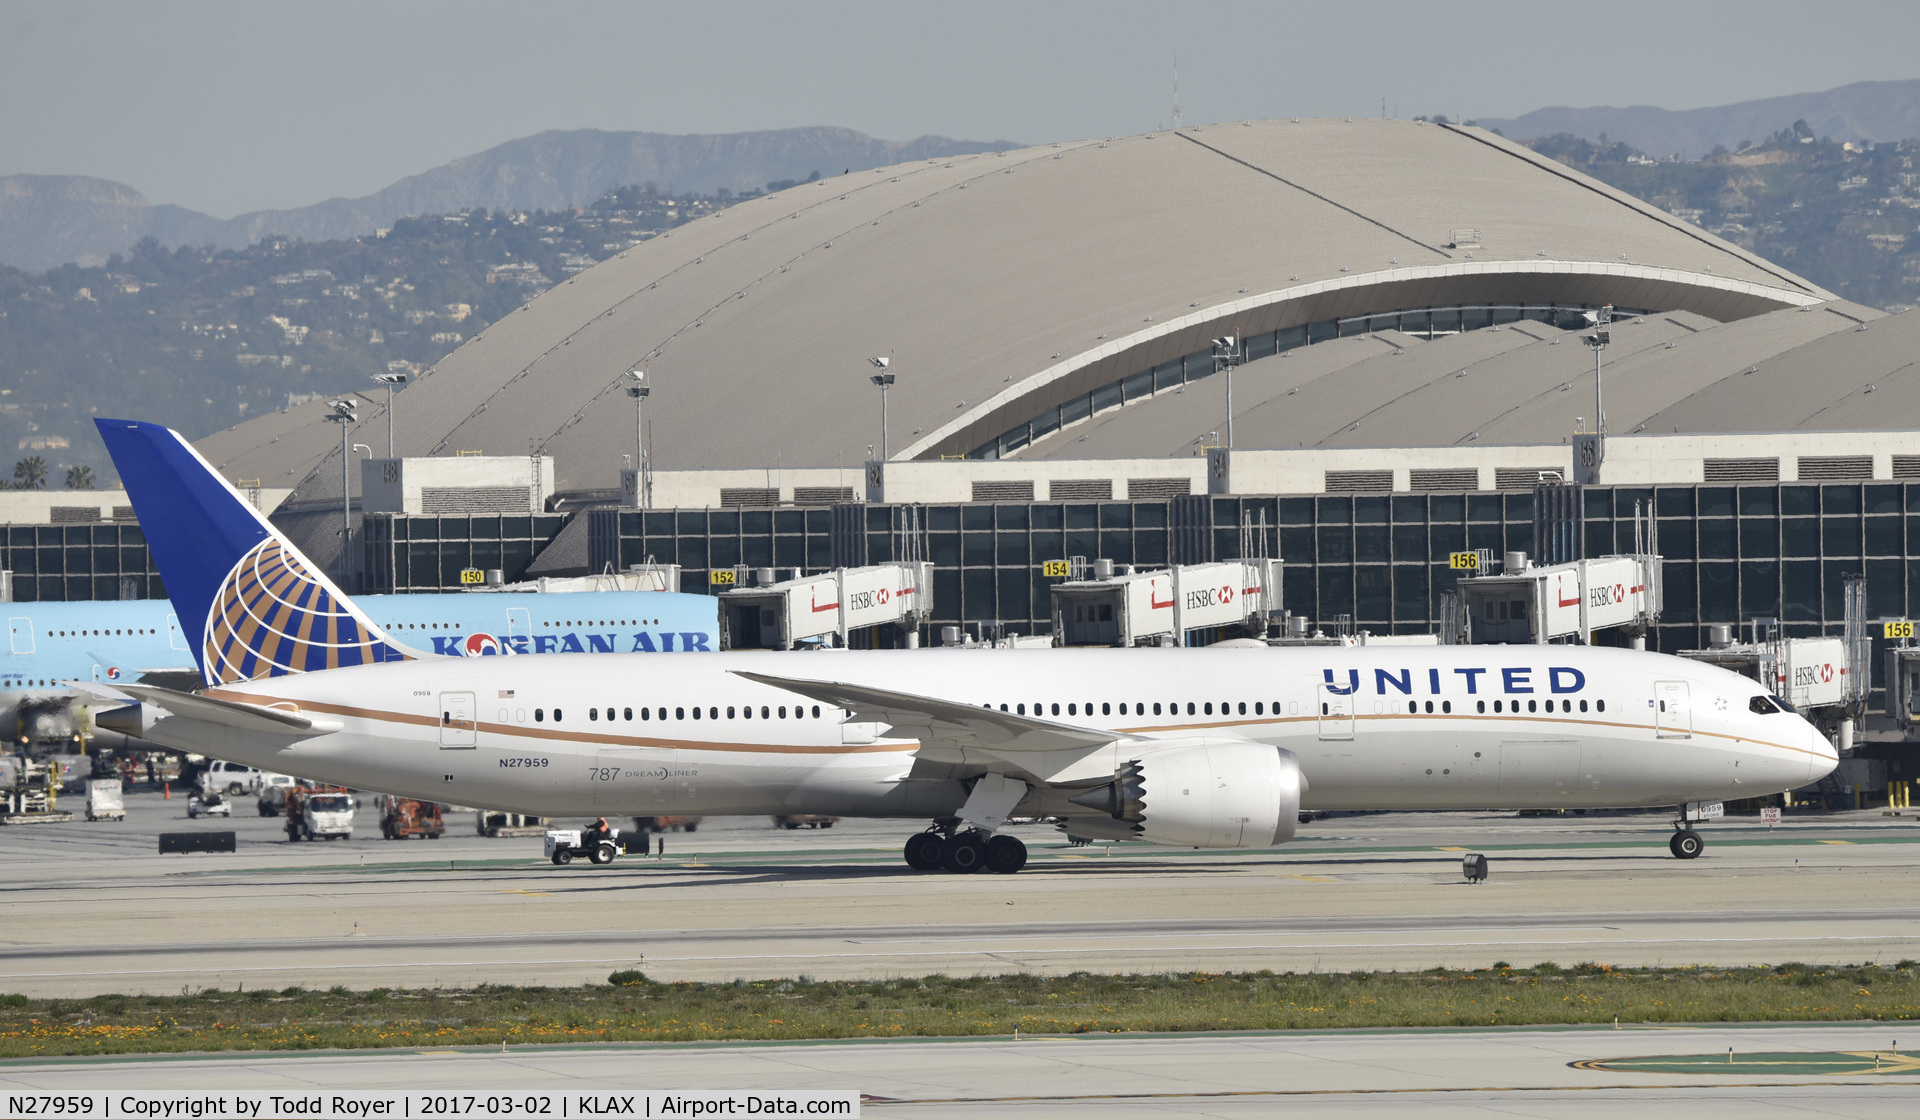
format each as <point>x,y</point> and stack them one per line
<point>1686,844</point>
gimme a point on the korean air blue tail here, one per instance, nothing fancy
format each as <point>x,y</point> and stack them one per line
<point>263,610</point>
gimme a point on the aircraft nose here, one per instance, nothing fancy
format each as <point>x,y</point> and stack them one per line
<point>1824,758</point>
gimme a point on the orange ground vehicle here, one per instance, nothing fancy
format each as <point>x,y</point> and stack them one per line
<point>405,818</point>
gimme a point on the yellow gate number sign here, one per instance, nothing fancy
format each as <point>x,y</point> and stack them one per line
<point>1467,561</point>
<point>472,575</point>
<point>1052,568</point>
<point>720,577</point>
<point>1901,628</point>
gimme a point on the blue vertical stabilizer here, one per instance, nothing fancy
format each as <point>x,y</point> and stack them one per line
<point>251,604</point>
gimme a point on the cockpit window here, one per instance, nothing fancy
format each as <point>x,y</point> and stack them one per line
<point>1767,705</point>
<point>1781,704</point>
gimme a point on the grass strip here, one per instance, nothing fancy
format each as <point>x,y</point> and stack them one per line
<point>633,1008</point>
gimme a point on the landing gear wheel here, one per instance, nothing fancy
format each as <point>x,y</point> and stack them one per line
<point>1006,854</point>
<point>924,850</point>
<point>964,854</point>
<point>1686,844</point>
<point>562,857</point>
<point>601,855</point>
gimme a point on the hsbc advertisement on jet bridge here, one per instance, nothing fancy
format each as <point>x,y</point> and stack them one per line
<point>1615,595</point>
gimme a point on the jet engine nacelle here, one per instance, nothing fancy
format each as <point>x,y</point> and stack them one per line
<point>42,720</point>
<point>1208,793</point>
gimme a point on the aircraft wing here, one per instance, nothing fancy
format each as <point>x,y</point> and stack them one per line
<point>177,680</point>
<point>1035,750</point>
<point>228,713</point>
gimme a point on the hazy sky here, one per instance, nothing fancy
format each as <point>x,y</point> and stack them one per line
<point>228,107</point>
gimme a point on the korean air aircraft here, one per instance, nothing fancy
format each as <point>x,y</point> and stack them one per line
<point>116,642</point>
<point>1202,748</point>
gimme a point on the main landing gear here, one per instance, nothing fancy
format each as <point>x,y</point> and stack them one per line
<point>965,851</point>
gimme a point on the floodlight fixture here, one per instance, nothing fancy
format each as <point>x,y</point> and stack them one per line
<point>882,381</point>
<point>638,390</point>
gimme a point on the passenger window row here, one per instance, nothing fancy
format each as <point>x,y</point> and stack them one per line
<point>800,711</point>
<point>1513,706</point>
<point>1227,708</point>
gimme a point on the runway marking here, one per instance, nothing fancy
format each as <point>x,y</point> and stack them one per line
<point>628,959</point>
<point>1134,935</point>
<point>1836,841</point>
<point>538,894</point>
<point>985,951</point>
<point>1450,849</point>
<point>1042,951</point>
<point>1834,1063</point>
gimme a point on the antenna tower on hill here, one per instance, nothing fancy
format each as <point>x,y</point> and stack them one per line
<point>1176,91</point>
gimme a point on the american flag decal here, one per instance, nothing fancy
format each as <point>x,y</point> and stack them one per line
<point>273,617</point>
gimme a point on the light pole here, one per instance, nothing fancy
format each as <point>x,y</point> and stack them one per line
<point>392,381</point>
<point>1597,341</point>
<point>1226,355</point>
<point>642,478</point>
<point>344,416</point>
<point>884,379</point>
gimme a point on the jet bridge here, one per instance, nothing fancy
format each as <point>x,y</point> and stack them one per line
<point>1528,603</point>
<point>1098,607</point>
<point>1825,679</point>
<point>826,608</point>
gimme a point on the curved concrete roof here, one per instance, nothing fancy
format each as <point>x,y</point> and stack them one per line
<point>1006,283</point>
<point>1530,383</point>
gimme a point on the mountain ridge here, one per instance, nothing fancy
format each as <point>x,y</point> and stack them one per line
<point>50,220</point>
<point>1881,110</point>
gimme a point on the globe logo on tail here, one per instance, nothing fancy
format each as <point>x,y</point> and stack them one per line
<point>274,616</point>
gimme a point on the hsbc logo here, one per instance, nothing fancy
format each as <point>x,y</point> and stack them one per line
<point>1209,597</point>
<point>1805,675</point>
<point>1604,596</point>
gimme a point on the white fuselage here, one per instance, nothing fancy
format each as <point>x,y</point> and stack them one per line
<point>1450,727</point>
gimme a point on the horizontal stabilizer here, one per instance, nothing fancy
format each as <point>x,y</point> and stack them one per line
<point>228,713</point>
<point>1002,742</point>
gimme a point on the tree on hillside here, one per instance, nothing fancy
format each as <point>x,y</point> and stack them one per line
<point>80,477</point>
<point>31,472</point>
